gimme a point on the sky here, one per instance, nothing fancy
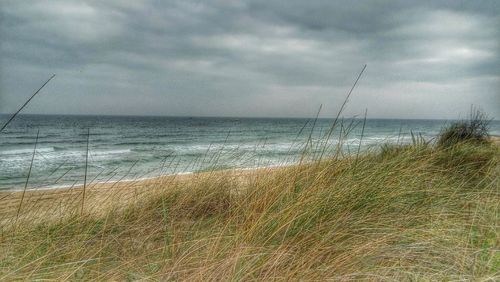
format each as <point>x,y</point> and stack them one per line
<point>285,58</point>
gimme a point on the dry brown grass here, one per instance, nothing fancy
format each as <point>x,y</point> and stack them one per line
<point>418,214</point>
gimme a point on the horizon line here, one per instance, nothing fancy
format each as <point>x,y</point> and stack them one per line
<point>234,117</point>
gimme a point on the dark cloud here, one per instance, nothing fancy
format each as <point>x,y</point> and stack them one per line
<point>426,59</point>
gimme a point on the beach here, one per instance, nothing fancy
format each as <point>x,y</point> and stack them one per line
<point>410,205</point>
<point>56,202</point>
<point>100,197</point>
<point>495,139</point>
<point>392,206</point>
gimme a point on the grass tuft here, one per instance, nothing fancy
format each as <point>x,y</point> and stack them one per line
<point>475,129</point>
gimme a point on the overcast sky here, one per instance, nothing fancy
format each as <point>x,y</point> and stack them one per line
<point>251,58</point>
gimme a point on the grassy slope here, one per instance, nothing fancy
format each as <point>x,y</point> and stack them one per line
<point>408,213</point>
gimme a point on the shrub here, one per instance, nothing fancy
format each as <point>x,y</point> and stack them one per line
<point>473,130</point>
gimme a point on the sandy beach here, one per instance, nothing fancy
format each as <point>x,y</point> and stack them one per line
<point>495,139</point>
<point>181,222</point>
<point>99,197</point>
<point>67,200</point>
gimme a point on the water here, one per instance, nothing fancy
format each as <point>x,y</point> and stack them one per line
<point>142,147</point>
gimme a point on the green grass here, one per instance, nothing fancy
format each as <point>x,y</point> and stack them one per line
<point>473,130</point>
<point>412,212</point>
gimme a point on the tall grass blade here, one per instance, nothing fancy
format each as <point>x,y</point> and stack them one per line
<point>86,170</point>
<point>25,103</point>
<point>342,107</point>
<point>28,177</point>
<point>361,139</point>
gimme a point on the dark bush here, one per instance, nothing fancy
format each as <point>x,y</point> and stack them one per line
<point>473,130</point>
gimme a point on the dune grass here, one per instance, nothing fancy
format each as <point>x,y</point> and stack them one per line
<point>472,130</point>
<point>414,212</point>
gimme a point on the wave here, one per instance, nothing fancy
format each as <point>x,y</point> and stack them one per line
<point>59,154</point>
<point>110,152</point>
<point>26,151</point>
<point>141,143</point>
<point>44,142</point>
<point>187,150</point>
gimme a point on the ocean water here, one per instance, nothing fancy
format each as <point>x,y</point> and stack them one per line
<point>128,148</point>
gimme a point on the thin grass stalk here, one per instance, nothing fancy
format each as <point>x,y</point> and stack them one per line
<point>25,103</point>
<point>295,140</point>
<point>86,170</point>
<point>360,140</point>
<point>335,121</point>
<point>345,131</point>
<point>219,154</point>
<point>309,138</point>
<point>399,133</point>
<point>29,175</point>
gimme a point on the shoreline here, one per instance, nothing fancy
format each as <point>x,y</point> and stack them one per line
<point>98,195</point>
<point>495,139</point>
<point>141,179</point>
<point>80,185</point>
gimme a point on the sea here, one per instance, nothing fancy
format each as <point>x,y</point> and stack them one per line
<point>72,149</point>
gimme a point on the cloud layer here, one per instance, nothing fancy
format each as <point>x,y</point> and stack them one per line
<point>251,58</point>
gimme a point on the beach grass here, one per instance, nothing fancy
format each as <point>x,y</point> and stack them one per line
<point>406,212</point>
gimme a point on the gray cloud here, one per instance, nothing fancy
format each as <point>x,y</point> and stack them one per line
<point>430,59</point>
